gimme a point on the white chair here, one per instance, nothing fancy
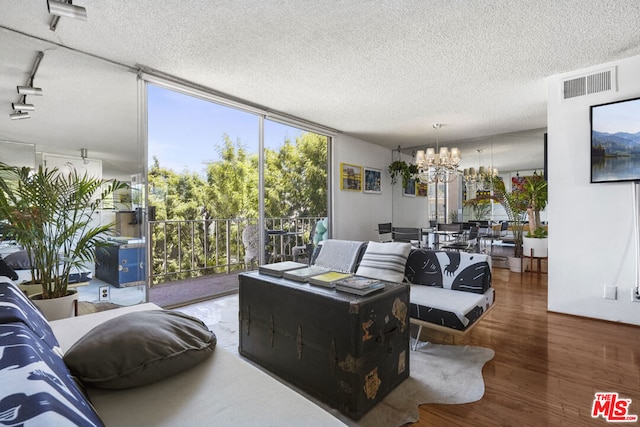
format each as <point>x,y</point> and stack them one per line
<point>251,242</point>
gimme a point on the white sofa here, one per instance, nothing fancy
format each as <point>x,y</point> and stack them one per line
<point>222,390</point>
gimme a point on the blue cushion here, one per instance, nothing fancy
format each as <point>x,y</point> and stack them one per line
<point>16,307</point>
<point>37,388</point>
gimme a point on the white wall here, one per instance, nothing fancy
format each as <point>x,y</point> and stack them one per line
<point>591,241</point>
<point>356,215</point>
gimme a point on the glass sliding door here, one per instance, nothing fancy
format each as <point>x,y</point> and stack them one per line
<point>295,189</point>
<point>229,189</point>
<point>203,184</point>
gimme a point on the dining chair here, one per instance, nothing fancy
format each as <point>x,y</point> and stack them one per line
<point>385,232</point>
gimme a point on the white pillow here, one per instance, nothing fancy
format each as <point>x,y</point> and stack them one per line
<point>385,261</point>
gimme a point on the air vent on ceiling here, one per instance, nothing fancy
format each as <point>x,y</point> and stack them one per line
<point>598,82</point>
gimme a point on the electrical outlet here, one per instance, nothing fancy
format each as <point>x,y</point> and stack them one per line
<point>635,295</point>
<point>610,292</point>
<point>103,293</point>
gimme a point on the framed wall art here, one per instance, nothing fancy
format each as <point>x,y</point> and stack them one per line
<point>350,177</point>
<point>410,189</point>
<point>421,189</point>
<point>372,180</point>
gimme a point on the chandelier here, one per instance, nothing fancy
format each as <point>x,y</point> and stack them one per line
<point>481,179</point>
<point>439,165</point>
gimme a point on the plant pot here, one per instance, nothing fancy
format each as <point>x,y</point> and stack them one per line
<point>539,246</point>
<point>57,308</point>
<point>515,264</point>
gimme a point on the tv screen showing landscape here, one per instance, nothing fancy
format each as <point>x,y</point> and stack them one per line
<point>615,141</point>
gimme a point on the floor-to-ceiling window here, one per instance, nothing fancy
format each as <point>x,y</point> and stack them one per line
<point>203,183</point>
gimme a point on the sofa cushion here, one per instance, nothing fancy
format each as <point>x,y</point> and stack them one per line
<point>16,307</point>
<point>384,261</point>
<point>460,271</point>
<point>139,348</point>
<point>7,270</point>
<point>456,310</point>
<point>37,388</point>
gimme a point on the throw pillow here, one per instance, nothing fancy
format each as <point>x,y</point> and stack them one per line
<point>6,270</point>
<point>18,260</point>
<point>384,261</point>
<point>139,348</point>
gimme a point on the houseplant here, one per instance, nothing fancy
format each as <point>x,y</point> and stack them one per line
<point>516,208</point>
<point>403,169</point>
<point>534,192</point>
<point>51,215</point>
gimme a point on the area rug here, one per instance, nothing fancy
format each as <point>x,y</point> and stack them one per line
<point>446,374</point>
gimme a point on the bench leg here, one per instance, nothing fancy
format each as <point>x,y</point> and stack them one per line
<point>415,344</point>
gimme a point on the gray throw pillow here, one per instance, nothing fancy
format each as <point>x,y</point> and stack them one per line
<point>18,260</point>
<point>139,348</point>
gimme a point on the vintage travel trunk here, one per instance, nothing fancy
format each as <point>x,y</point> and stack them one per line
<point>347,351</point>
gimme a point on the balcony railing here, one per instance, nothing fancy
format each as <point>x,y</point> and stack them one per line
<point>184,249</point>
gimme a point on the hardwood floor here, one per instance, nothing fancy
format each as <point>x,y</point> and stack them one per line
<point>547,366</point>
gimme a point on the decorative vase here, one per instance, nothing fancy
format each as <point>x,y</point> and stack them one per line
<point>539,246</point>
<point>57,308</point>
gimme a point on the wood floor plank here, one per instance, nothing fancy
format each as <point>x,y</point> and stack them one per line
<point>547,366</point>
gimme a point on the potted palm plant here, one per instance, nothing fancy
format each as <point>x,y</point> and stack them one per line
<point>516,208</point>
<point>51,215</point>
<point>534,193</point>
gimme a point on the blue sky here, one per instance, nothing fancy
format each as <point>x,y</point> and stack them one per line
<point>184,131</point>
<point>618,117</point>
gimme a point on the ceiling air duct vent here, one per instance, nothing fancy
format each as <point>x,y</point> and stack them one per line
<point>601,81</point>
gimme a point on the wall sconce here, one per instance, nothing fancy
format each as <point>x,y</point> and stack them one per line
<point>83,154</point>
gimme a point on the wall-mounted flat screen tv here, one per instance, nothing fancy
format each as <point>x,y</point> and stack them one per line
<point>615,141</point>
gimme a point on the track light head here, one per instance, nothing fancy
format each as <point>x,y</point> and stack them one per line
<point>61,8</point>
<point>28,90</point>
<point>19,115</point>
<point>22,107</point>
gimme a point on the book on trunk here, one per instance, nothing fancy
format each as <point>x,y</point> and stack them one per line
<point>303,274</point>
<point>328,279</point>
<point>364,291</point>
<point>277,269</point>
<point>357,282</point>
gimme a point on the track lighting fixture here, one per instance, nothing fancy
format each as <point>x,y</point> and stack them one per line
<point>66,9</point>
<point>19,115</point>
<point>28,90</point>
<point>83,154</point>
<point>22,107</point>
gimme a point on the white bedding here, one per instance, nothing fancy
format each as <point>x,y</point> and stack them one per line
<point>223,390</point>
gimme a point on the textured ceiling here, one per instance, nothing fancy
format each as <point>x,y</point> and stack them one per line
<point>383,71</point>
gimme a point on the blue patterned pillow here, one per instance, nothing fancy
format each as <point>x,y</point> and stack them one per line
<point>16,307</point>
<point>37,388</point>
